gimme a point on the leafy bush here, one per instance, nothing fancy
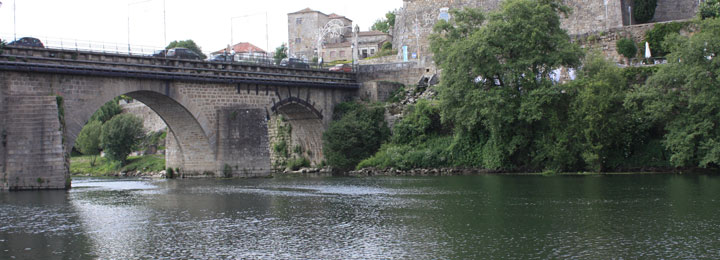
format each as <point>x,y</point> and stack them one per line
<point>422,120</point>
<point>429,154</point>
<point>357,133</point>
<point>170,173</point>
<point>121,135</point>
<point>626,47</point>
<point>297,163</point>
<point>644,10</point>
<point>656,36</point>
<point>88,141</point>
<point>709,9</point>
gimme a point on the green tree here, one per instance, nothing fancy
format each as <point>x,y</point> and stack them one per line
<point>709,9</point>
<point>120,136</point>
<point>356,134</point>
<point>88,141</point>
<point>644,10</point>
<point>598,109</point>
<point>384,24</point>
<point>626,47</point>
<point>190,44</point>
<point>280,53</point>
<point>496,85</point>
<point>107,111</point>
<point>684,97</point>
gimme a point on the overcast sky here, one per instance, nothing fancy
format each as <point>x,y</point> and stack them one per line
<point>207,22</point>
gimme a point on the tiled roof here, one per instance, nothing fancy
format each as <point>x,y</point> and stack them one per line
<point>243,47</point>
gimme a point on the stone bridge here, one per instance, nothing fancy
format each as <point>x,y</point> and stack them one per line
<point>218,114</point>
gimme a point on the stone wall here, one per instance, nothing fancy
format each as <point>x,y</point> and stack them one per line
<point>378,91</point>
<point>414,21</point>
<point>151,121</point>
<point>407,73</point>
<point>592,15</point>
<point>33,151</point>
<point>3,130</point>
<point>670,10</point>
<point>245,144</point>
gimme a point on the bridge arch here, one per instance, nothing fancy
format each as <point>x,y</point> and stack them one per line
<point>307,126</point>
<point>189,146</point>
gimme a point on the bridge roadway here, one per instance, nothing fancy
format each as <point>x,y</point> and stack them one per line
<point>220,115</point>
<point>59,61</point>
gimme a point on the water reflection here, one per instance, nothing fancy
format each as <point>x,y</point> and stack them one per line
<point>478,217</point>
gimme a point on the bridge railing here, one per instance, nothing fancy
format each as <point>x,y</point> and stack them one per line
<point>140,50</point>
<point>93,46</point>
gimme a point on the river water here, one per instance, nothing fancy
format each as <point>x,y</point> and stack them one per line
<point>475,217</point>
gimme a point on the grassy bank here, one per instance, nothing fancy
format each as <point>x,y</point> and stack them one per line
<point>80,165</point>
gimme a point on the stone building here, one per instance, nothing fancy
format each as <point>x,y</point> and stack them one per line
<point>303,31</point>
<point>305,26</point>
<point>415,20</point>
<point>370,42</point>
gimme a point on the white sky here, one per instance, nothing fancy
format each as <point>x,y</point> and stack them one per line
<point>207,22</point>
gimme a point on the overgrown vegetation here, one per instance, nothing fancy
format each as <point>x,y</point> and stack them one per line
<point>357,132</point>
<point>709,9</point>
<point>657,35</point>
<point>497,108</point>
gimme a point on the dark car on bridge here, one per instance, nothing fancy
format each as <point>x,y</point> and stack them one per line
<point>294,63</point>
<point>222,57</point>
<point>27,42</point>
<point>182,53</point>
<point>159,53</point>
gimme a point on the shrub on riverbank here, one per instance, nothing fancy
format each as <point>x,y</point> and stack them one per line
<point>80,165</point>
<point>357,133</point>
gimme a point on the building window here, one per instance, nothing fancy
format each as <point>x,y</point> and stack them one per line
<point>332,54</point>
<point>297,40</point>
<point>298,21</point>
<point>342,54</point>
<point>372,51</point>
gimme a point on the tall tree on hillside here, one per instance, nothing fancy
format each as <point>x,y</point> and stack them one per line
<point>190,44</point>
<point>496,85</point>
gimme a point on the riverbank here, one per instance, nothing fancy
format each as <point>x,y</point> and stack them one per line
<point>369,172</point>
<point>147,165</point>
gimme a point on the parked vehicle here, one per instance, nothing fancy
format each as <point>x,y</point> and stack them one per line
<point>160,53</point>
<point>341,67</point>
<point>182,53</point>
<point>27,42</point>
<point>221,57</point>
<point>294,63</point>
